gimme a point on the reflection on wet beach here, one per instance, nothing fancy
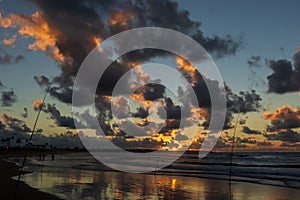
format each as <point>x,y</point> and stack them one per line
<point>69,183</point>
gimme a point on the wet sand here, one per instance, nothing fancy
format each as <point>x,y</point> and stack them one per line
<point>8,185</point>
<point>71,183</point>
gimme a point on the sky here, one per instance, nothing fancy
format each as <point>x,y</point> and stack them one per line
<point>255,45</point>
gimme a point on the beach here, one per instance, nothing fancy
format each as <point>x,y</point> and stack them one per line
<point>8,185</point>
<point>80,176</point>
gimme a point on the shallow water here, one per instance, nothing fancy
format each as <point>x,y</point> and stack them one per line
<point>80,176</point>
<point>96,185</point>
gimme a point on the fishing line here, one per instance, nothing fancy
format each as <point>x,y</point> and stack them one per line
<point>30,139</point>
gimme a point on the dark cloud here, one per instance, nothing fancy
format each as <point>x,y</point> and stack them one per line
<point>169,125</point>
<point>246,141</point>
<point>167,14</point>
<point>254,61</point>
<point>59,88</point>
<point>255,64</point>
<point>285,136</point>
<point>245,101</point>
<point>78,25</point>
<point>249,131</point>
<point>1,85</point>
<point>7,59</point>
<point>14,125</point>
<point>145,143</point>
<point>8,98</point>
<point>152,91</point>
<point>264,144</point>
<point>173,111</point>
<point>286,76</point>
<point>283,118</point>
<point>60,120</point>
<point>25,113</point>
<point>141,113</point>
<point>290,145</point>
<point>242,121</point>
<point>221,144</point>
<point>180,137</point>
<point>63,141</point>
<point>74,24</point>
<point>42,80</point>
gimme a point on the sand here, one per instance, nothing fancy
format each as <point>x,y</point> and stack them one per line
<point>79,184</point>
<point>8,185</point>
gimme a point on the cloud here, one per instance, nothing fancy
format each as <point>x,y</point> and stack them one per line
<point>245,101</point>
<point>255,64</point>
<point>55,114</point>
<point>42,80</point>
<point>13,125</point>
<point>38,28</point>
<point>25,113</point>
<point>173,111</point>
<point>242,121</point>
<point>285,136</point>
<point>141,113</point>
<point>6,119</point>
<point>67,31</point>
<point>16,129</point>
<point>264,144</point>
<point>286,76</point>
<point>10,41</point>
<point>254,61</point>
<point>249,131</point>
<point>60,120</point>
<point>7,59</point>
<point>151,91</point>
<point>246,141</point>
<point>283,118</point>
<point>180,137</point>
<point>144,143</point>
<point>121,107</point>
<point>8,98</point>
<point>221,144</point>
<point>290,145</point>
<point>37,104</point>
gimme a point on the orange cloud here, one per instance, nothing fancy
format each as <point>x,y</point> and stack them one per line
<point>10,41</point>
<point>285,112</point>
<point>187,67</point>
<point>36,26</point>
<point>140,98</point>
<point>97,41</point>
<point>200,113</point>
<point>6,119</point>
<point>121,19</point>
<point>37,104</point>
<point>283,118</point>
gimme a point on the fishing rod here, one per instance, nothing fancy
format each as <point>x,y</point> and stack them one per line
<point>231,154</point>
<point>30,139</point>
